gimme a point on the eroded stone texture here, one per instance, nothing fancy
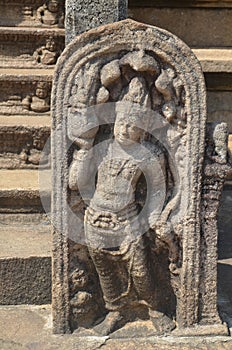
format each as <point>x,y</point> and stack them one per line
<point>39,13</point>
<point>84,15</point>
<point>47,54</point>
<point>216,168</point>
<point>40,101</point>
<point>30,47</point>
<point>25,96</point>
<point>21,147</point>
<point>130,228</point>
<point>25,281</point>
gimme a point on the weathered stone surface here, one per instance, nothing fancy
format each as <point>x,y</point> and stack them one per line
<point>125,63</point>
<point>25,259</point>
<point>34,13</point>
<point>225,256</point>
<point>215,60</point>
<point>24,236</point>
<point>219,81</point>
<point>35,333</point>
<point>25,280</point>
<point>220,107</point>
<point>22,140</point>
<point>191,25</point>
<point>22,146</point>
<point>84,15</point>
<point>21,47</point>
<point>19,191</point>
<point>25,92</point>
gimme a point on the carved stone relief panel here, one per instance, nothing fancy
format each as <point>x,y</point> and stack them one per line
<point>31,13</point>
<point>30,96</point>
<point>129,118</point>
<point>22,147</point>
<point>24,48</point>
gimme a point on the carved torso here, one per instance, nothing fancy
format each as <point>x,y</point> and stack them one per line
<point>40,105</point>
<point>116,183</point>
<point>48,57</point>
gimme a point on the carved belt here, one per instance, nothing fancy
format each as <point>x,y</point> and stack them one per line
<point>110,220</point>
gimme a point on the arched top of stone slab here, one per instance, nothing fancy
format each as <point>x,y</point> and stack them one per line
<point>128,35</point>
<point>91,51</point>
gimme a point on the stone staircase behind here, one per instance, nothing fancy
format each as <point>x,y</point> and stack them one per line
<point>31,40</point>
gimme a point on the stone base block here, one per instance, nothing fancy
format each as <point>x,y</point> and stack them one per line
<point>25,259</point>
<point>202,330</point>
<point>35,333</point>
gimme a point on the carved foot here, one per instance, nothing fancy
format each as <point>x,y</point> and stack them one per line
<point>110,324</point>
<point>161,322</point>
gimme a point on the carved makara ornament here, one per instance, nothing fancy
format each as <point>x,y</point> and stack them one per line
<point>130,99</point>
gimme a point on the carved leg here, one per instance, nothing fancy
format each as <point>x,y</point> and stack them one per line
<point>108,277</point>
<point>141,274</point>
<point>112,288</point>
<point>144,285</point>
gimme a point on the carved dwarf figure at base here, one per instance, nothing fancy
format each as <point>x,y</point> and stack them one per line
<point>47,54</point>
<point>40,102</point>
<point>49,13</point>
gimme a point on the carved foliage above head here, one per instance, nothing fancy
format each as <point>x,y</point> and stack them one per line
<point>114,64</point>
<point>102,72</point>
<point>123,78</point>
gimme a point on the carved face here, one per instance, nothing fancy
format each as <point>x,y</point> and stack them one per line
<point>41,92</point>
<point>51,45</point>
<point>53,6</point>
<point>126,132</point>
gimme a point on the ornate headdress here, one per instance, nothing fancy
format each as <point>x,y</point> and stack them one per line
<point>135,105</point>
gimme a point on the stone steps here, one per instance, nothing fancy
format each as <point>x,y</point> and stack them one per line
<point>25,47</point>
<point>25,239</point>
<point>21,191</point>
<point>19,89</point>
<point>216,60</point>
<point>29,48</point>
<point>16,133</point>
<point>25,117</point>
<point>25,259</point>
<point>23,138</point>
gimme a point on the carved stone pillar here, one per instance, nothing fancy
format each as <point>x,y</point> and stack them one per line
<point>84,15</point>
